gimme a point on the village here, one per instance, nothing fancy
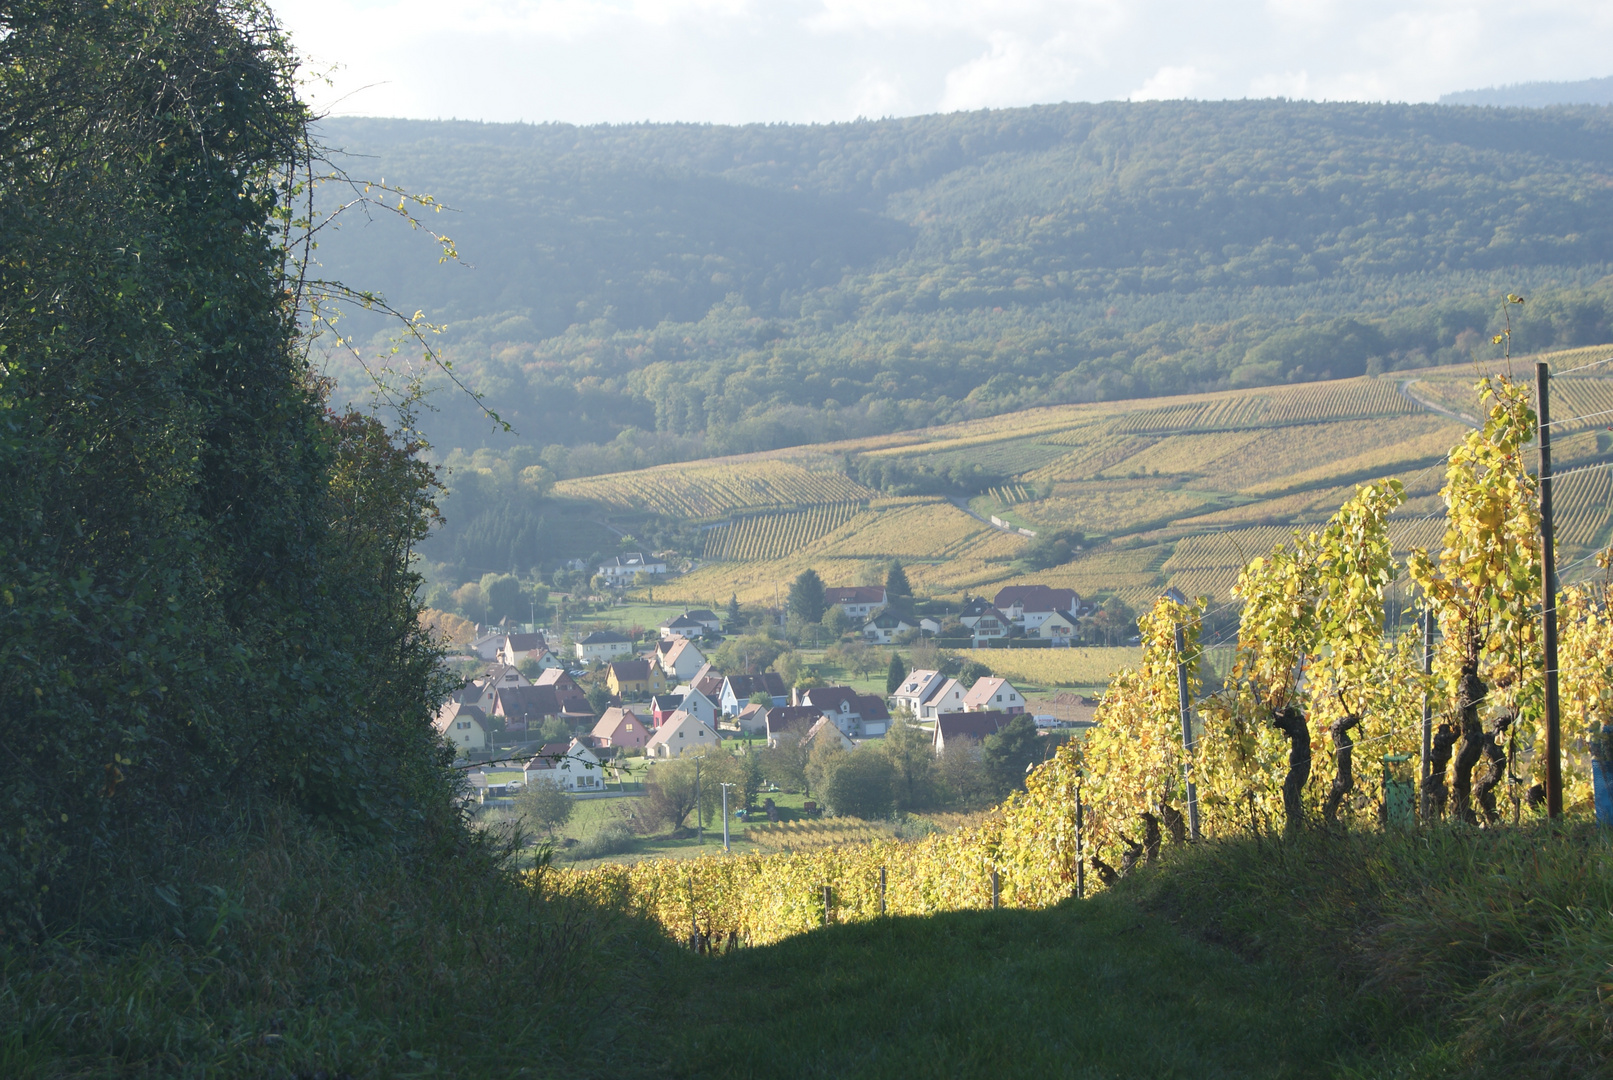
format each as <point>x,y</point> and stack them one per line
<point>591,715</point>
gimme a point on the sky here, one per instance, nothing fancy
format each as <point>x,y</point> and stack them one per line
<point>741,61</point>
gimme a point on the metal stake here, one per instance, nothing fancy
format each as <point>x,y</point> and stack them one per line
<point>1185,707</point>
<point>1554,732</point>
<point>882,890</point>
<point>1426,769</point>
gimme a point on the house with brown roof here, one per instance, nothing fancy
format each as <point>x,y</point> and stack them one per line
<point>967,727</point>
<point>859,602</point>
<point>603,646</point>
<point>683,732</point>
<point>620,729</point>
<point>521,647</point>
<point>789,722</point>
<point>497,676</point>
<point>1029,606</point>
<point>682,626</point>
<point>826,728</point>
<point>752,719</point>
<point>573,699</point>
<point>991,694</point>
<point>861,716</point>
<point>525,708</point>
<point>632,679</point>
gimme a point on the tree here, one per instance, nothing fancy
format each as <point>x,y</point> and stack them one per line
<point>895,673</point>
<point>911,751</point>
<point>502,595</point>
<point>806,596</point>
<point>972,672</point>
<point>784,765</point>
<point>748,654</point>
<point>836,622</point>
<point>554,730</point>
<point>824,755</point>
<point>1009,751</point>
<point>1052,548</point>
<point>544,804</point>
<point>598,699</point>
<point>861,785</point>
<point>761,697</point>
<point>896,586</point>
<point>733,611</point>
<point>962,777</point>
<point>669,791</point>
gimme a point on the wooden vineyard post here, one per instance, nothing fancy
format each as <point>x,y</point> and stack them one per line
<point>828,902</point>
<point>996,891</point>
<point>1554,732</point>
<point>1185,706</point>
<point>1425,769</point>
<point>1080,855</point>
<point>882,890</point>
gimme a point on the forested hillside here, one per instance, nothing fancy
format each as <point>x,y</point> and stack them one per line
<point>644,293</point>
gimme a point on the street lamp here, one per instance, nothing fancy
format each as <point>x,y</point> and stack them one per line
<point>725,788</point>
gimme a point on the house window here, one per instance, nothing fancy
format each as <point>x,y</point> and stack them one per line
<point>627,727</point>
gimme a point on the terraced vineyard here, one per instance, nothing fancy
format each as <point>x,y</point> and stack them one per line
<point>715,489</point>
<point>1587,495</point>
<point>774,536</point>
<point>1055,667</point>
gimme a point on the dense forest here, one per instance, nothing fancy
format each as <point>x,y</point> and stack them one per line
<point>635,294</point>
<point>695,289</point>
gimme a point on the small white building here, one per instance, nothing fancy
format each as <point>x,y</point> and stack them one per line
<point>698,704</point>
<point>463,726</point>
<point>857,601</point>
<point>681,733</point>
<point>603,646</point>
<point>992,694</point>
<point>885,628</point>
<point>624,567</point>
<point>570,766</point>
<point>681,658</point>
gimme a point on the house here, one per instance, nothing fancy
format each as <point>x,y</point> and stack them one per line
<point>752,719</point>
<point>826,728</point>
<point>519,647</point>
<point>682,626</point>
<point>789,722</point>
<point>859,602</point>
<point>463,725</point>
<point>525,708</point>
<point>708,680</point>
<point>603,646</point>
<point>1058,627</point>
<point>707,618</point>
<point>993,695</point>
<point>699,704</point>
<point>973,609</point>
<point>662,706</point>
<point>634,679</point>
<point>622,568</point>
<point>681,733</point>
<point>489,645</point>
<point>919,686</point>
<point>1028,606</point>
<point>991,624</point>
<point>966,727</point>
<point>737,690</point>
<point>479,691</point>
<point>885,627</point>
<point>573,701</point>
<point>620,729</point>
<point>857,715</point>
<point>681,659</point>
<point>572,766</point>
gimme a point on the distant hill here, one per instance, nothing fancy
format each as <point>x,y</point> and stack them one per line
<point>643,293</point>
<point>1537,94</point>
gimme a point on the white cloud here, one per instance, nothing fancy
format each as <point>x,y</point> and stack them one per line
<point>1169,83</point>
<point>734,60</point>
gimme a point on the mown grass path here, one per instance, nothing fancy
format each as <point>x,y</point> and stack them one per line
<point>1096,989</point>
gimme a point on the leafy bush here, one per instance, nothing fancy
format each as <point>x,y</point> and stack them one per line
<point>613,838</point>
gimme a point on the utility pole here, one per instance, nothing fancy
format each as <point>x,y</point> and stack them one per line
<point>1428,713</point>
<point>1554,732</point>
<point>1185,707</point>
<point>725,788</point>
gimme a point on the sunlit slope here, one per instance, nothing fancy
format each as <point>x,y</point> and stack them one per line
<point>1177,491</point>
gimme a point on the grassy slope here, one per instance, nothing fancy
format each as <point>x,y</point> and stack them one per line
<point>1094,989</point>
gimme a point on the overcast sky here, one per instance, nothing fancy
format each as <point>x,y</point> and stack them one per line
<point>728,61</point>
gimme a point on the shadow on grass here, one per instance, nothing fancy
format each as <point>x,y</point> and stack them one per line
<point>1095,989</point>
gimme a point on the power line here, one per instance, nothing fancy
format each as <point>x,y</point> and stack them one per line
<point>1582,367</point>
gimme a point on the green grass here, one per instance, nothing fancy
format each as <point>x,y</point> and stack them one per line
<point>1093,989</point>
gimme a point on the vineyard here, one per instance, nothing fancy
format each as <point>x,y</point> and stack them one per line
<point>811,835</point>
<point>1281,407</point>
<point>1054,667</point>
<point>774,536</point>
<point>715,489</point>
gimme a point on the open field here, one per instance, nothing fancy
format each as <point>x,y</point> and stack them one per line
<point>1055,667</point>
